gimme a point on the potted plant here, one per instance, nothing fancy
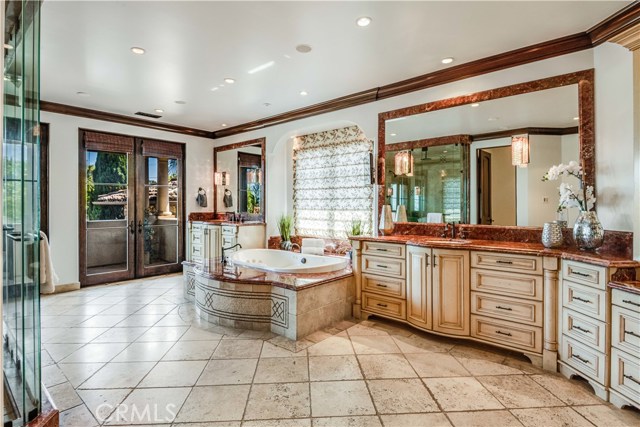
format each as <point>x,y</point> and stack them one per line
<point>355,228</point>
<point>285,224</point>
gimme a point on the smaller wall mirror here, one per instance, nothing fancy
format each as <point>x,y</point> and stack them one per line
<point>239,178</point>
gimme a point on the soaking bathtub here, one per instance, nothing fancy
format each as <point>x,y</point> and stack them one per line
<point>287,262</point>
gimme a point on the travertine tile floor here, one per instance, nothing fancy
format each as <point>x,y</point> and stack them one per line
<point>135,353</point>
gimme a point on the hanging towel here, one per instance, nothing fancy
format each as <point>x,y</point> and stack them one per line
<point>48,277</point>
<point>434,217</point>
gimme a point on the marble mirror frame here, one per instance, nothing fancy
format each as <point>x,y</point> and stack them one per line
<point>584,79</point>
<point>262,142</point>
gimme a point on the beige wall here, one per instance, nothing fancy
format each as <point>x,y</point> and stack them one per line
<point>503,187</point>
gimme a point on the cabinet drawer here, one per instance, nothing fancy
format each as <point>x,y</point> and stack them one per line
<point>510,334</point>
<point>504,308</point>
<point>625,374</point>
<point>505,262</point>
<point>196,237</point>
<point>385,306</point>
<point>584,329</point>
<point>196,259</point>
<point>586,274</point>
<point>383,285</point>
<point>626,299</point>
<point>229,230</point>
<point>625,330</point>
<point>196,250</point>
<point>585,300</point>
<point>588,361</point>
<point>385,266</point>
<point>507,283</point>
<point>196,228</point>
<point>228,241</point>
<point>383,249</point>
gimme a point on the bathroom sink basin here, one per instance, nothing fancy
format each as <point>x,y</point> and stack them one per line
<point>452,241</point>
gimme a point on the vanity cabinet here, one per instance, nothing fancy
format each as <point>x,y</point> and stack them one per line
<point>450,291</point>
<point>206,240</point>
<point>625,350</point>
<point>383,280</point>
<point>419,285</point>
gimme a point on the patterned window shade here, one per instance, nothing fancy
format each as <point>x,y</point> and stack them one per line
<point>332,182</point>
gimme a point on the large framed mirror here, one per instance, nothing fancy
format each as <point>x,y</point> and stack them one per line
<point>480,158</point>
<point>239,179</point>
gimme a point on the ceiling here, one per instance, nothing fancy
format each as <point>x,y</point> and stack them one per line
<point>191,47</point>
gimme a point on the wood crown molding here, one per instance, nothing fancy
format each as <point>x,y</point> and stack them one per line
<point>629,38</point>
<point>617,23</point>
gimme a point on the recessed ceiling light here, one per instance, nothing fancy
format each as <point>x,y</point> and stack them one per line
<point>392,134</point>
<point>493,119</point>
<point>180,102</point>
<point>8,46</point>
<point>224,125</point>
<point>138,50</point>
<point>261,67</point>
<point>82,94</point>
<point>267,104</point>
<point>475,104</point>
<point>229,80</point>
<point>213,89</point>
<point>447,60</point>
<point>287,56</point>
<point>304,93</point>
<point>363,21</point>
<point>159,110</point>
<point>576,118</point>
<point>303,48</point>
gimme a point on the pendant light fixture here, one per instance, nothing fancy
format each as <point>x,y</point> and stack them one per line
<point>403,163</point>
<point>520,150</point>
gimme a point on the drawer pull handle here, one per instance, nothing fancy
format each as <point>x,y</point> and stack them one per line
<point>583,300</point>
<point>381,305</point>
<point>630,302</point>
<point>582,359</point>
<point>499,307</point>
<point>629,377</point>
<point>632,333</point>
<point>381,249</point>
<point>586,331</point>
<point>382,266</point>
<point>504,333</point>
<point>577,273</point>
<point>499,261</point>
<point>380,285</point>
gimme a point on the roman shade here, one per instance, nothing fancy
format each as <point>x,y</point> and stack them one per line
<point>101,141</point>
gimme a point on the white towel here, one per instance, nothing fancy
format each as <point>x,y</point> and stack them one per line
<point>312,250</point>
<point>48,277</point>
<point>312,246</point>
<point>434,217</point>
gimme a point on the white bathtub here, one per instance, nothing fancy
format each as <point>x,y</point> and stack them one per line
<point>286,262</point>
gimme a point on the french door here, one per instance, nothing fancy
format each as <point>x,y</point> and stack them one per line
<point>131,207</point>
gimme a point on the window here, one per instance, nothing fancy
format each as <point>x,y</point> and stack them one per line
<point>332,182</point>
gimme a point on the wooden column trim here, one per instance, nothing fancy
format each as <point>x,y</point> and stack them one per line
<point>629,38</point>
<point>551,310</point>
<point>356,260</point>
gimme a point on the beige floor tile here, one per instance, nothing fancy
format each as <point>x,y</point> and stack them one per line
<point>609,416</point>
<point>478,366</point>
<point>421,344</point>
<point>122,309</point>
<point>77,417</point>
<point>172,320</point>
<point>238,349</point>
<point>362,329</point>
<point>550,417</point>
<point>373,344</point>
<point>228,371</point>
<point>333,346</point>
<point>144,352</point>
<point>80,335</point>
<point>401,396</point>
<point>294,346</point>
<point>358,421</point>
<point>209,424</point>
<point>119,375</point>
<point>156,309</point>
<point>270,350</point>
<point>523,365</point>
<point>137,320</point>
<point>197,334</point>
<point>571,392</point>
<point>334,368</point>
<point>385,366</point>
<point>161,404</point>
<point>77,373</point>
<point>92,353</point>
<point>102,403</point>
<point>484,419</point>
<point>299,422</point>
<point>163,333</point>
<point>53,375</point>
<point>64,396</point>
<point>415,420</point>
<point>319,336</point>
<point>468,352</point>
<point>121,335</point>
<point>191,350</point>
<point>103,321</point>
<point>273,401</point>
<point>174,374</point>
<point>519,391</point>
<point>340,398</point>
<point>461,394</point>
<point>434,365</point>
<point>214,403</point>
<point>60,351</point>
<point>282,370</point>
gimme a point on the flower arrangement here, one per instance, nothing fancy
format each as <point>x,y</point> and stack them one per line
<point>584,199</point>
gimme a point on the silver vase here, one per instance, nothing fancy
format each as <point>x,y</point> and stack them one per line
<point>401,214</point>
<point>386,220</point>
<point>552,234</point>
<point>587,231</point>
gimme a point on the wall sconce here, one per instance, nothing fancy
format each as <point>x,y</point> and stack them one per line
<point>254,176</point>
<point>403,163</point>
<point>520,151</point>
<point>222,178</point>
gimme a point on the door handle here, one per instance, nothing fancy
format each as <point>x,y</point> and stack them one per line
<point>132,228</point>
<point>139,226</point>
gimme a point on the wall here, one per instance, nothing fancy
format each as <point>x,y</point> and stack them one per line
<point>63,180</point>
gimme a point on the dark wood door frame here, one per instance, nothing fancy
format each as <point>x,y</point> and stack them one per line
<point>44,178</point>
<point>484,188</point>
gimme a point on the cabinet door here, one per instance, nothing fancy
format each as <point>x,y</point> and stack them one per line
<point>419,286</point>
<point>213,241</point>
<point>451,300</point>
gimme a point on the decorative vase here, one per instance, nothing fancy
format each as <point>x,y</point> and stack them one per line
<point>285,245</point>
<point>552,234</point>
<point>386,220</point>
<point>401,214</point>
<point>587,231</point>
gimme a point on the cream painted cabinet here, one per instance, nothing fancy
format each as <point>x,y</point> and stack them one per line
<point>212,241</point>
<point>419,286</point>
<point>451,291</point>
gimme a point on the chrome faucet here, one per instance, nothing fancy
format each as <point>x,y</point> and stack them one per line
<point>224,259</point>
<point>295,244</point>
<point>449,227</point>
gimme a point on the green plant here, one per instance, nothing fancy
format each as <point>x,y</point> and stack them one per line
<point>285,223</point>
<point>356,227</point>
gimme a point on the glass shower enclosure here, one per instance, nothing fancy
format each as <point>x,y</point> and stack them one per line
<point>21,213</point>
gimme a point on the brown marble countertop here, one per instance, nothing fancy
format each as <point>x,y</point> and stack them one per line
<point>234,223</point>
<point>574,254</point>
<point>214,269</point>
<point>632,286</point>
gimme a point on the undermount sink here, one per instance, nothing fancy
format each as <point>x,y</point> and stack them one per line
<point>452,241</point>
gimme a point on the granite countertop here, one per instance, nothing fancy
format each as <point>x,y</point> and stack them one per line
<point>632,286</point>
<point>214,269</point>
<point>574,254</point>
<point>233,223</point>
